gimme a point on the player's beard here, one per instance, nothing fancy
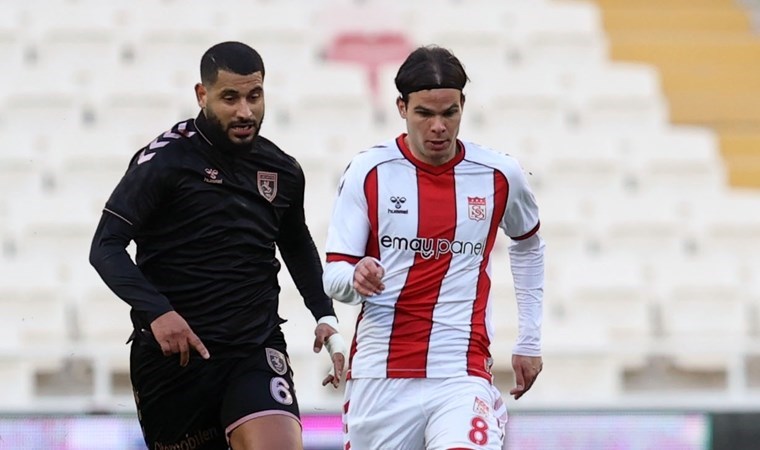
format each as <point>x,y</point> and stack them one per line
<point>220,133</point>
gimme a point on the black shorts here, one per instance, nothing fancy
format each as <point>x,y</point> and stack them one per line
<point>197,405</point>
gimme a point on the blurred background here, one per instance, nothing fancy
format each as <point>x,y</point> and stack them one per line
<point>638,120</point>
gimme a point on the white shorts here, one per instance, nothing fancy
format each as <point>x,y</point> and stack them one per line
<point>423,413</point>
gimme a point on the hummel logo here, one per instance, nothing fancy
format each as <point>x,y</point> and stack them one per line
<point>212,174</point>
<point>145,157</point>
<point>397,202</point>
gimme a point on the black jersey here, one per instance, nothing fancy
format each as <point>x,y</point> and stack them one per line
<point>206,221</point>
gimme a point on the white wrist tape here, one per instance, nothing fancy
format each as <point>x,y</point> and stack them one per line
<point>335,343</point>
<point>329,320</point>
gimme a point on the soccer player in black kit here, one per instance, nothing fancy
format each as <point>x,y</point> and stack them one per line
<point>207,204</point>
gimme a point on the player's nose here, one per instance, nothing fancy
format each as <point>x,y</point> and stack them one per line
<point>243,111</point>
<point>438,126</point>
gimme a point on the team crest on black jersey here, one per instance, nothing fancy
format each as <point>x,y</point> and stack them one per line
<point>277,361</point>
<point>267,184</point>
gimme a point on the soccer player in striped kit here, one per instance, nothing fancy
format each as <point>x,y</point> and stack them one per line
<point>410,240</point>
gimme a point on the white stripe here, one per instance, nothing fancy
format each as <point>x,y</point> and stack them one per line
<point>157,144</point>
<point>118,215</point>
<point>171,135</point>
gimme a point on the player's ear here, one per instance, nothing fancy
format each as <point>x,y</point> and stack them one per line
<point>401,105</point>
<point>201,94</point>
<point>461,101</point>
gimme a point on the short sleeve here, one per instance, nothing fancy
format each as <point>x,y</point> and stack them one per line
<point>521,219</point>
<point>349,227</point>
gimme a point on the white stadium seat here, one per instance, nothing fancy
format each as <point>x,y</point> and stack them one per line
<point>561,33</point>
<point>618,96</point>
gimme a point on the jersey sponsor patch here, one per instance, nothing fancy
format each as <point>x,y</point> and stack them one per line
<point>276,361</point>
<point>267,184</point>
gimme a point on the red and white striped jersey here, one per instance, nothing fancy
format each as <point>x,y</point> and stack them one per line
<point>433,229</point>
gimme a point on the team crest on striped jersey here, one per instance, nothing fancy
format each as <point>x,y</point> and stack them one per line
<point>476,207</point>
<point>267,184</point>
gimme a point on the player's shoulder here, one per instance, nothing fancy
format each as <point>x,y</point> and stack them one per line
<point>169,147</point>
<point>280,157</point>
<point>498,160</point>
<point>369,158</point>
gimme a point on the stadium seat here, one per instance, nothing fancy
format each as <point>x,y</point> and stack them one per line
<point>102,318</point>
<point>88,166</point>
<point>342,98</point>
<point>520,100</point>
<point>683,159</point>
<point>560,33</point>
<point>703,302</point>
<point>24,159</point>
<point>477,34</point>
<point>370,51</point>
<point>618,96</point>
<point>585,163</point>
<point>51,104</point>
<point>52,224</point>
<point>565,225</point>
<point>640,226</point>
<point>583,369</point>
<point>729,225</point>
<point>42,324</point>
<point>16,383</point>
<point>30,280</point>
<point>599,290</point>
<point>340,17</point>
<point>69,38</point>
<point>12,41</point>
<point>145,111</point>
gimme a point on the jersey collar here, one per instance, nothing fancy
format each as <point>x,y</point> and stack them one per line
<point>435,170</point>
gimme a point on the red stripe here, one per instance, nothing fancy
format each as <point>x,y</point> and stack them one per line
<point>370,192</point>
<point>413,318</point>
<point>334,257</point>
<point>353,343</point>
<point>477,350</point>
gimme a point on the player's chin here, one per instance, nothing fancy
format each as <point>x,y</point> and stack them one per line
<point>242,140</point>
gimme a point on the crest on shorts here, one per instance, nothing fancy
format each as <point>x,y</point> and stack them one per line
<point>480,407</point>
<point>267,184</point>
<point>476,208</point>
<point>277,361</point>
